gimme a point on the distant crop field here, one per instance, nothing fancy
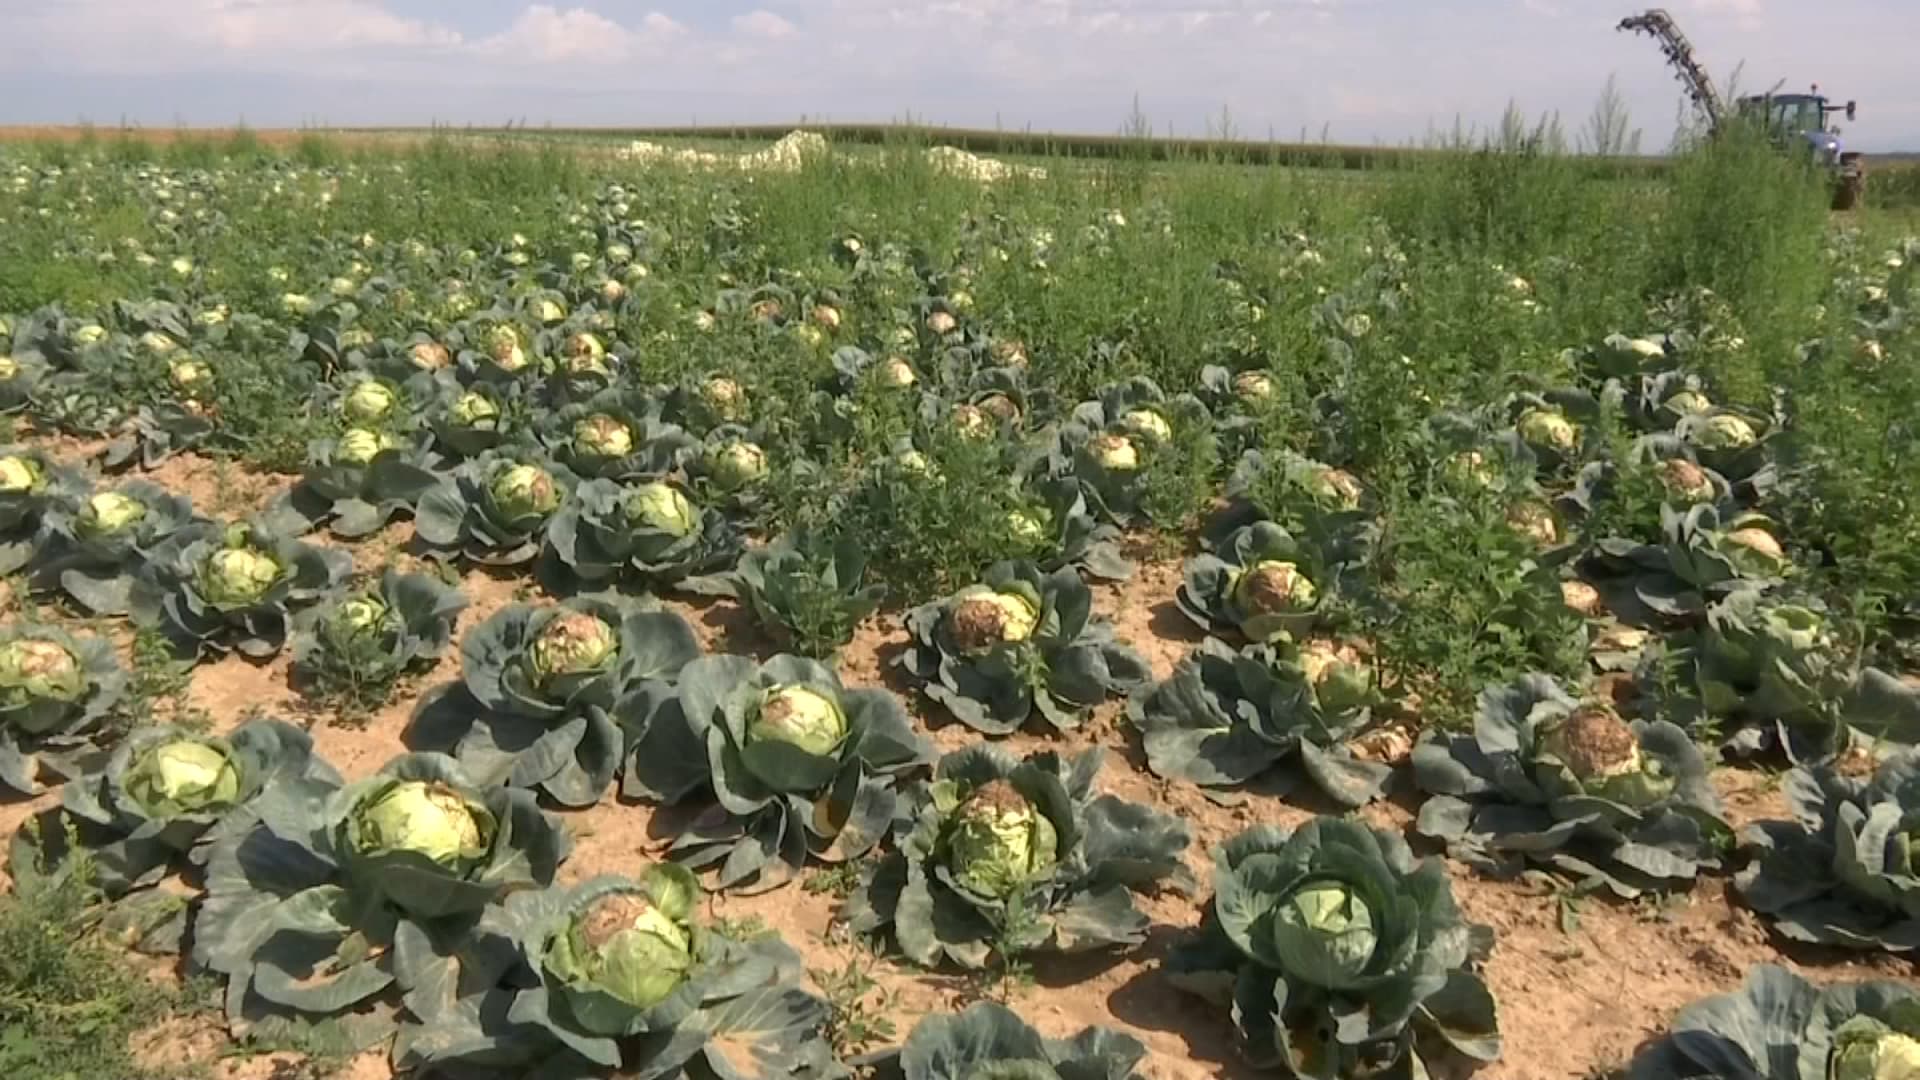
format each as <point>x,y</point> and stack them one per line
<point>480,603</point>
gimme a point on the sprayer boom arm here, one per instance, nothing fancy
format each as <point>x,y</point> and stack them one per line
<point>1659,25</point>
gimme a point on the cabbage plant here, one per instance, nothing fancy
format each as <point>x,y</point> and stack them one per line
<point>1547,779</point>
<point>617,435</point>
<point>989,1039</point>
<point>808,591</point>
<point>212,588</point>
<point>620,975</point>
<point>1261,584</point>
<point>167,795</point>
<point>1009,856</point>
<point>1020,644</point>
<point>1779,1026</point>
<point>1844,871</point>
<point>1059,530</point>
<point>156,432</point>
<point>1340,955</point>
<point>797,765</point>
<point>495,508</point>
<point>337,918</point>
<point>31,485</point>
<point>359,642</point>
<point>1265,717</point>
<point>1116,445</point>
<point>1737,445</point>
<point>537,702</point>
<point>1703,556</point>
<point>355,484</point>
<point>1330,506</point>
<point>1771,668</point>
<point>649,532</point>
<point>97,543</point>
<point>56,690</point>
<point>467,421</point>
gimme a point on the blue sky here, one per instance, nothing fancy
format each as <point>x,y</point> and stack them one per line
<point>1356,70</point>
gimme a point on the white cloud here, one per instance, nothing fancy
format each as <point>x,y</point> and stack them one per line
<point>545,34</point>
<point>1280,66</point>
<point>763,23</point>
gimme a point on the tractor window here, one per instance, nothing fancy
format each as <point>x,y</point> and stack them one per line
<point>1797,116</point>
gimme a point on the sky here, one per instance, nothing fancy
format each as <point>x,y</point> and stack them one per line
<point>1353,71</point>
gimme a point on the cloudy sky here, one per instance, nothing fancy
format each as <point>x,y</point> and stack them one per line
<point>1360,71</point>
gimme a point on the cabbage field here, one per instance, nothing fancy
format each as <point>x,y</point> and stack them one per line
<point>495,609</point>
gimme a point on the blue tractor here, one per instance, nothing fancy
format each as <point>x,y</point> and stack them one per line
<point>1794,121</point>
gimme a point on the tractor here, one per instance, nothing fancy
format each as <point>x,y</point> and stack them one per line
<point>1800,122</point>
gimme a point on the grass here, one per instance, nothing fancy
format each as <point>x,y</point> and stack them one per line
<point>69,1002</point>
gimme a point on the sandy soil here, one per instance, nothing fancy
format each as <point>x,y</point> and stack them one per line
<point>1576,996</point>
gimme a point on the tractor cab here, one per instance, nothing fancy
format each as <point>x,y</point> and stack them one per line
<point>1798,117</point>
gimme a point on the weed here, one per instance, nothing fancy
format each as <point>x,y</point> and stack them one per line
<point>858,1006</point>
<point>69,1002</point>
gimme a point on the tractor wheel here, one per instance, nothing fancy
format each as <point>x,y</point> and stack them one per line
<point>1850,186</point>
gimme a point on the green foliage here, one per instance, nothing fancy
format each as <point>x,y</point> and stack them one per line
<point>69,1001</point>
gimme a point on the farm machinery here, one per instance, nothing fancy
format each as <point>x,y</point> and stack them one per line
<point>1795,122</point>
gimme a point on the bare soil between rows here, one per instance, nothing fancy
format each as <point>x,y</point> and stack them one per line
<point>1578,991</point>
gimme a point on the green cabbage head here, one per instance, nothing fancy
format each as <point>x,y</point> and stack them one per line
<point>737,464</point>
<point>20,474</point>
<point>36,670</point>
<point>1726,432</point>
<point>999,843</point>
<point>625,946</point>
<point>360,617</point>
<point>238,574</point>
<point>663,507</point>
<point>1865,1049</point>
<point>475,410</point>
<point>369,403</point>
<point>185,776</point>
<point>1331,929</point>
<point>574,643</point>
<point>802,717</point>
<point>359,446</point>
<point>109,513</point>
<point>424,817</point>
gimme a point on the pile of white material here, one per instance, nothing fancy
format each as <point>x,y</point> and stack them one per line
<point>799,147</point>
<point>787,155</point>
<point>958,162</point>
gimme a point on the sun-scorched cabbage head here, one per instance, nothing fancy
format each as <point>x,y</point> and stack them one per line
<point>526,490</point>
<point>999,843</point>
<point>624,945</point>
<point>35,670</point>
<point>986,619</point>
<point>602,436</point>
<point>1115,452</point>
<point>736,464</point>
<point>801,717</point>
<point>1274,587</point>
<point>424,817</point>
<point>1604,755</point>
<point>574,643</point>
